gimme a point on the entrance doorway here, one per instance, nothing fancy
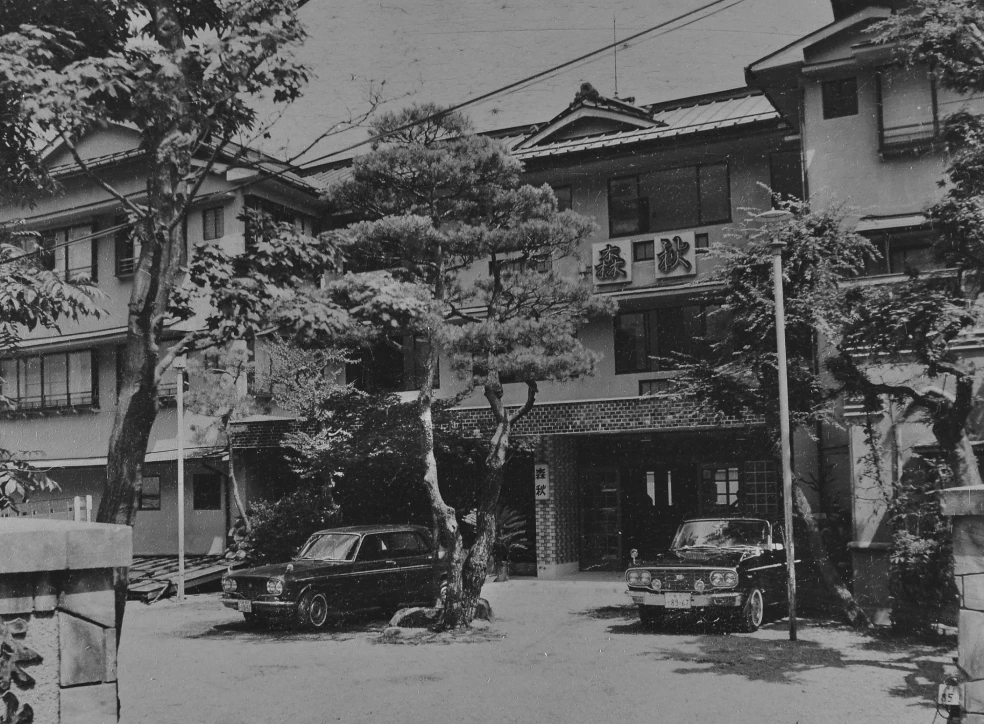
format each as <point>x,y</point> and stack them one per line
<point>636,490</point>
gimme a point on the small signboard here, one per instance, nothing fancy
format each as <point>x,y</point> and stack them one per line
<point>611,262</point>
<point>676,255</point>
<point>541,481</point>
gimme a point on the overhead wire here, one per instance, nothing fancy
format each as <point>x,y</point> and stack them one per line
<point>508,89</point>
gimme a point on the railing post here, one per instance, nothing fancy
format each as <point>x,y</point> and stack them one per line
<point>77,513</point>
<point>88,509</point>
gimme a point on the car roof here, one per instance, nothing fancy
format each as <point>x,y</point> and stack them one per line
<point>757,520</point>
<point>378,528</point>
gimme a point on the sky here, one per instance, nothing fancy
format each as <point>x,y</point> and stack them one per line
<point>448,51</point>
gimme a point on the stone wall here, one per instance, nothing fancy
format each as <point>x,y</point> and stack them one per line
<point>966,507</point>
<point>58,619</point>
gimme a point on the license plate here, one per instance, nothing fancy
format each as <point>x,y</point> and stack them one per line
<point>678,600</point>
<point>245,606</point>
<point>948,695</point>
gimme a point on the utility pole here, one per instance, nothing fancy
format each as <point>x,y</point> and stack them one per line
<point>180,364</point>
<point>773,219</point>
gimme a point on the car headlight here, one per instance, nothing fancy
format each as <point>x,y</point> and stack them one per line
<point>275,586</point>
<point>229,585</point>
<point>724,579</point>
<point>644,578</point>
<point>656,584</point>
<point>632,578</point>
<point>698,585</point>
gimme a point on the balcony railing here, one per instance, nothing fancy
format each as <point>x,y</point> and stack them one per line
<point>126,265</point>
<point>908,136</point>
<point>77,401</point>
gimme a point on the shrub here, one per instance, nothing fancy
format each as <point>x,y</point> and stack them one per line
<point>279,528</point>
<point>923,589</point>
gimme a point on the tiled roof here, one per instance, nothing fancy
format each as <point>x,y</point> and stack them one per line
<point>261,433</point>
<point>681,119</point>
<point>330,176</point>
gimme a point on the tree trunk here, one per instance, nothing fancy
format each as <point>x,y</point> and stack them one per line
<point>236,492</point>
<point>854,613</point>
<point>476,565</point>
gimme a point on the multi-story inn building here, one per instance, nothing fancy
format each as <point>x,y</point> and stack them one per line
<point>61,386</point>
<point>618,462</point>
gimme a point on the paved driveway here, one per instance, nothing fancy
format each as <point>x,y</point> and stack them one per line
<point>559,651</point>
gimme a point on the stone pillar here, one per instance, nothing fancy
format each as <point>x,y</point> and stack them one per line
<point>58,619</point>
<point>556,518</point>
<point>966,508</point>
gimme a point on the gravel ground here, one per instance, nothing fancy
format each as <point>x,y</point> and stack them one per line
<point>558,651</point>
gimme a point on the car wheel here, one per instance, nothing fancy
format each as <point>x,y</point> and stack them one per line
<point>442,593</point>
<point>651,616</point>
<point>312,610</point>
<point>752,612</point>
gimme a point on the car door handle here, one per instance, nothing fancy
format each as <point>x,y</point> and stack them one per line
<point>391,564</point>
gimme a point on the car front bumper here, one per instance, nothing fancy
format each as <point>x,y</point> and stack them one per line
<point>259,605</point>
<point>732,599</point>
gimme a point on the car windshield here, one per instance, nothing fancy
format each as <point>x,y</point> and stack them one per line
<point>722,534</point>
<point>330,547</point>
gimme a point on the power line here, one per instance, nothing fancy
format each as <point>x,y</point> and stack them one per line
<point>525,81</point>
<point>265,175</point>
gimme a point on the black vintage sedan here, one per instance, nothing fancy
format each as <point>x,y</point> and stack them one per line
<point>338,571</point>
<point>722,567</point>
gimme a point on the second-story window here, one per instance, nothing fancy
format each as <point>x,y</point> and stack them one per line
<point>213,223</point>
<point>628,211</point>
<point>839,97</point>
<point>564,197</point>
<point>398,366</point>
<point>51,381</point>
<point>70,252</point>
<point>652,339</point>
<point>785,175</point>
<point>902,252</point>
<point>127,248</point>
<point>672,198</point>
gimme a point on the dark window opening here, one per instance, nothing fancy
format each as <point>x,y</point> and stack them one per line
<point>127,250</point>
<point>52,381</point>
<point>643,251</point>
<point>654,339</point>
<point>396,367</point>
<point>628,212</point>
<point>207,491</point>
<point>702,241</point>
<point>564,197</point>
<point>902,252</point>
<point>71,252</point>
<point>213,223</point>
<point>785,176</point>
<point>839,97</point>
<point>150,493</point>
<point>674,198</point>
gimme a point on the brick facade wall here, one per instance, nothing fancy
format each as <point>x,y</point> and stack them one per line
<point>614,415</point>
<point>556,519</point>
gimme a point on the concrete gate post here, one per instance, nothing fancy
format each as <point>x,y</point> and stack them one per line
<point>58,619</point>
<point>965,506</point>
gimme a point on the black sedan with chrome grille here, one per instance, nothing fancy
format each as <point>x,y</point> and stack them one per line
<point>727,567</point>
<point>339,571</point>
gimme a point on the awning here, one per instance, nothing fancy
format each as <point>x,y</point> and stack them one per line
<point>869,224</point>
<point>158,456</point>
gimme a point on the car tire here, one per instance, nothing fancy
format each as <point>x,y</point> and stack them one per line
<point>312,611</point>
<point>752,613</point>
<point>442,593</point>
<point>650,616</point>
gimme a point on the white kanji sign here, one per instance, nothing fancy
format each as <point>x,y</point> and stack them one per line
<point>541,482</point>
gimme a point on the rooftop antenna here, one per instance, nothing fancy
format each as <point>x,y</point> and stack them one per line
<point>615,52</point>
